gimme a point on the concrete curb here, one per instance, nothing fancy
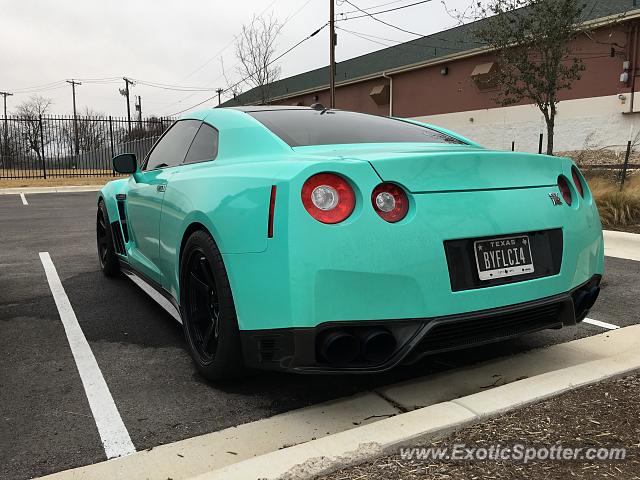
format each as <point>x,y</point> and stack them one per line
<point>385,436</point>
<point>622,245</point>
<point>62,189</point>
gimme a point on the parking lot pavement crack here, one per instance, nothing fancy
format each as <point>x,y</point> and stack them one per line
<point>401,408</point>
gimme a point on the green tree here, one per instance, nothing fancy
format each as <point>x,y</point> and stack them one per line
<point>532,40</point>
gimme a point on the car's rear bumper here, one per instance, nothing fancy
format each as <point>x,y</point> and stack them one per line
<point>366,268</point>
<point>300,349</point>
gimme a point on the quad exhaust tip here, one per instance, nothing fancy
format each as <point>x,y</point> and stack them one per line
<point>373,345</point>
<point>377,345</point>
<point>339,347</point>
<point>583,300</point>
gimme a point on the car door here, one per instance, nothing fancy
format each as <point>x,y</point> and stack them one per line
<point>146,195</point>
<point>177,205</point>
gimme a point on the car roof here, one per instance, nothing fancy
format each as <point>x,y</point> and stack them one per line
<point>263,108</point>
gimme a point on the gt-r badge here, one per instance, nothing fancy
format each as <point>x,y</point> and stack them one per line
<point>555,199</point>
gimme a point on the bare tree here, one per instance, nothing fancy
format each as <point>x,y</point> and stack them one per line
<point>9,144</point>
<point>532,40</point>
<point>233,88</point>
<point>149,128</point>
<point>255,49</point>
<point>92,134</point>
<point>31,111</point>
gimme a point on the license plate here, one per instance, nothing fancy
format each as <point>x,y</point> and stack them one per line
<point>503,257</point>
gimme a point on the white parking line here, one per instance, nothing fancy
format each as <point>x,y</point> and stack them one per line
<point>598,323</point>
<point>114,435</point>
<point>24,199</point>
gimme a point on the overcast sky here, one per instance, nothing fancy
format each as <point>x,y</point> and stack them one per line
<point>173,43</point>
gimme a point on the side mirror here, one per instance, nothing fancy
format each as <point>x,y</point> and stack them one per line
<point>125,163</point>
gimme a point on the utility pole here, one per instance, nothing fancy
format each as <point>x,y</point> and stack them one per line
<point>219,92</point>
<point>75,115</point>
<point>139,109</point>
<point>6,127</point>
<point>125,92</point>
<point>332,55</point>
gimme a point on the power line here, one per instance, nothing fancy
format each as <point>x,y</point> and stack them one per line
<point>433,37</point>
<point>250,75</point>
<point>48,89</point>
<point>367,14</point>
<point>179,88</point>
<point>215,81</point>
<point>374,6</point>
<point>362,36</point>
<point>398,43</point>
<point>58,84</point>
<point>211,59</point>
<point>41,86</point>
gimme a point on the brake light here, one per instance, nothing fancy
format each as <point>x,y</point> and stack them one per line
<point>328,198</point>
<point>563,185</point>
<point>577,181</point>
<point>390,202</point>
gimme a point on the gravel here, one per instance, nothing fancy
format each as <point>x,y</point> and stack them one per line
<point>602,415</point>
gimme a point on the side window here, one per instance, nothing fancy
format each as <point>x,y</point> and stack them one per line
<point>204,146</point>
<point>172,147</point>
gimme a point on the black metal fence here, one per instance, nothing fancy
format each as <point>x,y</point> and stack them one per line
<point>58,146</point>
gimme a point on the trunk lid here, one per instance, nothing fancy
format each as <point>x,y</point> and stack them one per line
<point>439,168</point>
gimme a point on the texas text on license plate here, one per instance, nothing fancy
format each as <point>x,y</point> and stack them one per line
<point>503,257</point>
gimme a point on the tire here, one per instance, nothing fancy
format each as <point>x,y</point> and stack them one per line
<point>208,312</point>
<point>106,252</point>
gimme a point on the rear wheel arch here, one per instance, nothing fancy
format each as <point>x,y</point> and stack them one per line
<point>193,227</point>
<point>190,230</point>
<point>225,361</point>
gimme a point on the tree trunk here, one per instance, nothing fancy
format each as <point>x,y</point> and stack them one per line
<point>550,133</point>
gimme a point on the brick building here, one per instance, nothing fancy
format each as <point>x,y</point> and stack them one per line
<point>438,79</point>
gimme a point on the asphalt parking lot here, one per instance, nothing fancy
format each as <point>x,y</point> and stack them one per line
<point>47,425</point>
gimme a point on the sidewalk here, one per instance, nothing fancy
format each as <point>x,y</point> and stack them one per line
<point>603,415</point>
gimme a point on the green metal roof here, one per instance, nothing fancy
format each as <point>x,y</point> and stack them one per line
<point>431,47</point>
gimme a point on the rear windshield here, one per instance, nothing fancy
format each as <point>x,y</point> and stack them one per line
<point>313,127</point>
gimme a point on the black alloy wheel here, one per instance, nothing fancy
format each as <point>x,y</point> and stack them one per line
<point>106,251</point>
<point>203,306</point>
<point>208,311</point>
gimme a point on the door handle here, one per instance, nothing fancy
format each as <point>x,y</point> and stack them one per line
<point>161,188</point>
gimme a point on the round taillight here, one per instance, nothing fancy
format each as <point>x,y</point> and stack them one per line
<point>577,181</point>
<point>390,202</point>
<point>328,197</point>
<point>563,185</point>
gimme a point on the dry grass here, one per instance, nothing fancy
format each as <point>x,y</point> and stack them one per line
<point>55,181</point>
<point>619,210</point>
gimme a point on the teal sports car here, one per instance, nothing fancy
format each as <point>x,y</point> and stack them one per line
<point>309,239</point>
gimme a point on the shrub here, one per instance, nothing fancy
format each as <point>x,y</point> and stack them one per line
<point>619,210</point>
